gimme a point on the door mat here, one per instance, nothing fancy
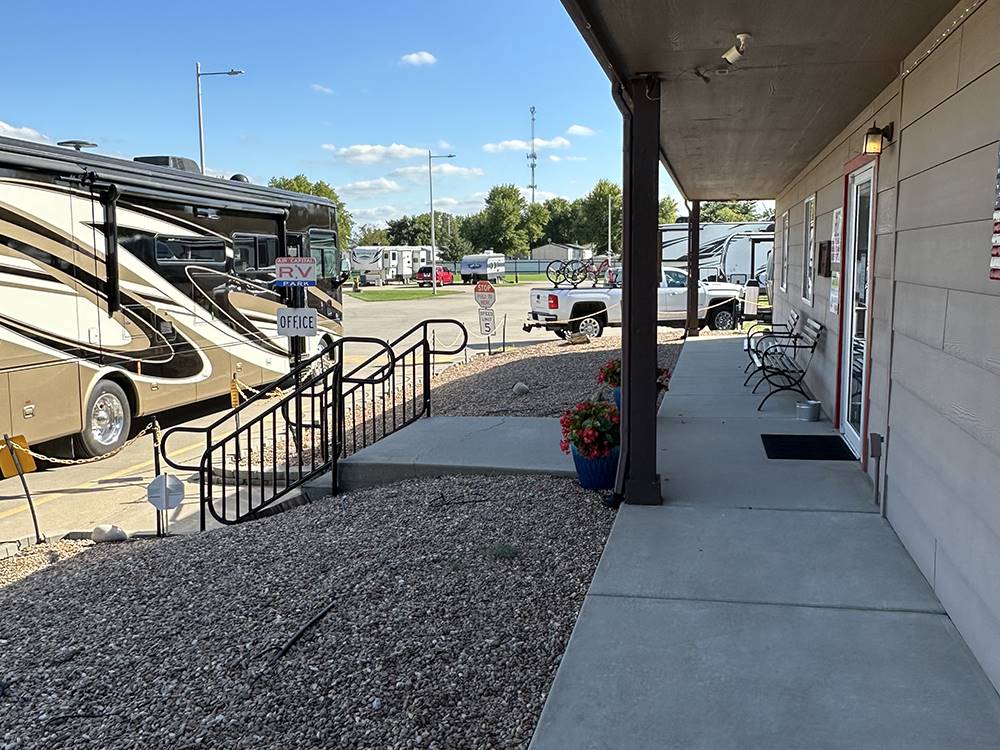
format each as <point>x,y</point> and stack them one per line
<point>807,447</point>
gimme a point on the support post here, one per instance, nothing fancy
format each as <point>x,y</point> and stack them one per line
<point>694,251</point>
<point>637,481</point>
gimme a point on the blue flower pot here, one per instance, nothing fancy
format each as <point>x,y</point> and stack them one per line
<point>617,393</point>
<point>596,473</point>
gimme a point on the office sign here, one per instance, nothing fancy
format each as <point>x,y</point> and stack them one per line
<point>294,271</point>
<point>296,321</point>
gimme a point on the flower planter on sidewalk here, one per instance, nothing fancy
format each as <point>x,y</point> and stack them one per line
<point>596,473</point>
<point>590,432</point>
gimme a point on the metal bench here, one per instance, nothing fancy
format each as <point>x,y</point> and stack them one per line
<point>758,335</point>
<point>784,361</point>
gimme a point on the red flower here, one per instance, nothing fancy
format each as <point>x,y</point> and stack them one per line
<point>592,427</point>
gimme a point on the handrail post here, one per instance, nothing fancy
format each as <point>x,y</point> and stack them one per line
<point>337,429</point>
<point>427,376</point>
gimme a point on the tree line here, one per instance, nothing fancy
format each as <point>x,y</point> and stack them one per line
<point>511,225</point>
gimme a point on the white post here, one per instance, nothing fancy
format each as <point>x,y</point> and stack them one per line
<point>201,126</point>
<point>434,268</point>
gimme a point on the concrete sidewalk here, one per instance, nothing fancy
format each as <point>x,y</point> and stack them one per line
<point>460,445</point>
<point>764,605</point>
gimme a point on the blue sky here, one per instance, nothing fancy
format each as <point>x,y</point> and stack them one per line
<point>349,92</point>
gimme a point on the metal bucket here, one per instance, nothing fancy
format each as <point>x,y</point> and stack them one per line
<point>807,411</point>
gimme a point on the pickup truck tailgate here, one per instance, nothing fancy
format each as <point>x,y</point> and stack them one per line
<point>540,301</point>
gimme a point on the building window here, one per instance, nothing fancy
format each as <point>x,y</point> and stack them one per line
<point>785,235</point>
<point>808,249</point>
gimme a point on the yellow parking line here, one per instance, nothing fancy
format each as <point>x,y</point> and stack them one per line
<point>114,475</point>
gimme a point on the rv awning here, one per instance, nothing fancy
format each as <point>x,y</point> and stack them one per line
<point>744,131</point>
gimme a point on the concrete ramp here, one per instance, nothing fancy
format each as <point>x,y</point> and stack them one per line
<point>460,445</point>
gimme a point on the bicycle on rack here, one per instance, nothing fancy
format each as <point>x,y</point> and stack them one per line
<point>575,272</point>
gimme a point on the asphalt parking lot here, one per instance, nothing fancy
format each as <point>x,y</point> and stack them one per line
<point>77,498</point>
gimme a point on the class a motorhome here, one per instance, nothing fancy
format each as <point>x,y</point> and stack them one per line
<point>727,249</point>
<point>130,287</point>
<point>484,266</point>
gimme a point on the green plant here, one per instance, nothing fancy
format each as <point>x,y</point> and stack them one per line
<point>610,375</point>
<point>592,428</point>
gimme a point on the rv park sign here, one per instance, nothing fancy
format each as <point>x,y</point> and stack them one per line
<point>295,271</point>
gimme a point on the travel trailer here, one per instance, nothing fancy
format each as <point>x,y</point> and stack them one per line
<point>129,287</point>
<point>728,250</point>
<point>485,266</point>
<point>397,263</point>
<point>380,264</point>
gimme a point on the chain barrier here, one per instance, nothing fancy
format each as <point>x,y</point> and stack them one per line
<point>74,461</point>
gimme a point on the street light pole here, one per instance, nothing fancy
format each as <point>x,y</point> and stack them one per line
<point>430,184</point>
<point>201,124</point>
<point>609,228</point>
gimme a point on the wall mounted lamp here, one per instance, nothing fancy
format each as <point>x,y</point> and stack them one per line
<point>876,138</point>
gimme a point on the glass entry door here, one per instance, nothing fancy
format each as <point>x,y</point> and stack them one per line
<point>856,275</point>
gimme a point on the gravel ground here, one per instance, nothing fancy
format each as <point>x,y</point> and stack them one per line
<point>36,557</point>
<point>557,374</point>
<point>453,600</point>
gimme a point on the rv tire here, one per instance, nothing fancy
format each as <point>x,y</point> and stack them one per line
<point>106,421</point>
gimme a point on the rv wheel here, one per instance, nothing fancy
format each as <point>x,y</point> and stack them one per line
<point>107,421</point>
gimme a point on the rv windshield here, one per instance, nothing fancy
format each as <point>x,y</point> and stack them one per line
<point>323,247</point>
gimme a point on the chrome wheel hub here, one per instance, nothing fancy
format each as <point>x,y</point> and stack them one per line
<point>590,327</point>
<point>724,321</point>
<point>107,419</point>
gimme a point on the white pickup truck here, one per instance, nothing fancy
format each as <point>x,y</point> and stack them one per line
<point>590,310</point>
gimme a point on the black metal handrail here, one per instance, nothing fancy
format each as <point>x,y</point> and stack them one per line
<point>373,410</point>
<point>278,444</point>
<point>304,432</point>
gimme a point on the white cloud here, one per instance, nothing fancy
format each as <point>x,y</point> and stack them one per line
<point>370,187</point>
<point>462,206</point>
<point>448,170</point>
<point>540,195</point>
<point>443,144</point>
<point>519,145</point>
<point>24,133</point>
<point>579,130</point>
<point>364,153</point>
<point>553,157</point>
<point>423,57</point>
<point>321,88</point>
<point>375,215</point>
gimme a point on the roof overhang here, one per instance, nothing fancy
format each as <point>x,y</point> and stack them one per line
<point>745,130</point>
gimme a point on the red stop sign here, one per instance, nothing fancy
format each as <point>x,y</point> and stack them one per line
<point>485,294</point>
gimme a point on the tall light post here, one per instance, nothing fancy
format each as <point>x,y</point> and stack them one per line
<point>201,127</point>
<point>609,229</point>
<point>430,182</point>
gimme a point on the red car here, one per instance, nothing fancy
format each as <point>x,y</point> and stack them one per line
<point>425,274</point>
